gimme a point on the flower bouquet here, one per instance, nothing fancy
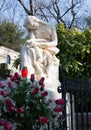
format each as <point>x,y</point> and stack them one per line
<point>23,104</point>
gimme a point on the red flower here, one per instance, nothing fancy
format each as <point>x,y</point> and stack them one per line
<point>13,78</point>
<point>4,93</point>
<point>17,76</point>
<point>20,110</point>
<point>9,103</point>
<point>43,120</point>
<point>60,101</point>
<point>41,81</point>
<point>35,91</point>
<point>10,85</point>
<point>11,109</point>
<point>1,84</point>
<point>58,109</point>
<point>42,87</point>
<point>32,78</point>
<point>3,122</point>
<point>8,126</point>
<point>44,94</point>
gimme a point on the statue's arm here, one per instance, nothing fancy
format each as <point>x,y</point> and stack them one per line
<point>44,42</point>
<point>34,42</point>
<point>53,39</point>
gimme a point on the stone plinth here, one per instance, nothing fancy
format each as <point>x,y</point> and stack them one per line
<point>52,90</point>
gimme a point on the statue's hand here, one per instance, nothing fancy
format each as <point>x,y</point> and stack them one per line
<point>32,43</point>
<point>29,41</point>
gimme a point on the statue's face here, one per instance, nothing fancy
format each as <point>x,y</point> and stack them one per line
<point>31,23</point>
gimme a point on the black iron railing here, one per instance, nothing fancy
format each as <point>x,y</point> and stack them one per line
<point>77,95</point>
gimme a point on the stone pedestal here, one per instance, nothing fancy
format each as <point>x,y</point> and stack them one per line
<point>52,90</point>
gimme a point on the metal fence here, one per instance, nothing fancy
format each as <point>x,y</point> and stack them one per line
<point>77,95</point>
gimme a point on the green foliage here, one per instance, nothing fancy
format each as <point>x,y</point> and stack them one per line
<point>10,35</point>
<point>75,51</point>
<point>16,63</point>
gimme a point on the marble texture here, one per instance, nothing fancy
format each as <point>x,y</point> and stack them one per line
<point>39,52</point>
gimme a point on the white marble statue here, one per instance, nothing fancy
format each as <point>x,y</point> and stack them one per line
<point>39,52</point>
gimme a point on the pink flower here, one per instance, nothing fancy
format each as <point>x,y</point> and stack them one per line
<point>41,81</point>
<point>52,100</point>
<point>35,91</point>
<point>32,78</point>
<point>4,93</point>
<point>58,109</point>
<point>8,126</point>
<point>3,122</point>
<point>9,103</point>
<point>60,101</point>
<point>1,84</point>
<point>44,94</point>
<point>10,85</point>
<point>43,120</point>
<point>20,110</point>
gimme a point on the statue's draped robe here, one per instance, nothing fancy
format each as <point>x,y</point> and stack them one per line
<point>40,58</point>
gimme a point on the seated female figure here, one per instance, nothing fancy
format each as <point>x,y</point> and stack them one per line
<point>39,52</point>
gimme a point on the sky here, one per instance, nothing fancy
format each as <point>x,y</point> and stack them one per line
<point>19,16</point>
<point>86,10</point>
<point>88,2</point>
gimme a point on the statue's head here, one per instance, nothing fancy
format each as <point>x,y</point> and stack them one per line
<point>33,23</point>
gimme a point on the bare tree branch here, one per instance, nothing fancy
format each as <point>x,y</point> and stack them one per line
<point>73,14</point>
<point>51,9</point>
<point>31,7</point>
<point>44,15</point>
<point>2,4</point>
<point>25,8</point>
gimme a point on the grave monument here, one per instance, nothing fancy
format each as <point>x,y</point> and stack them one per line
<point>39,52</point>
